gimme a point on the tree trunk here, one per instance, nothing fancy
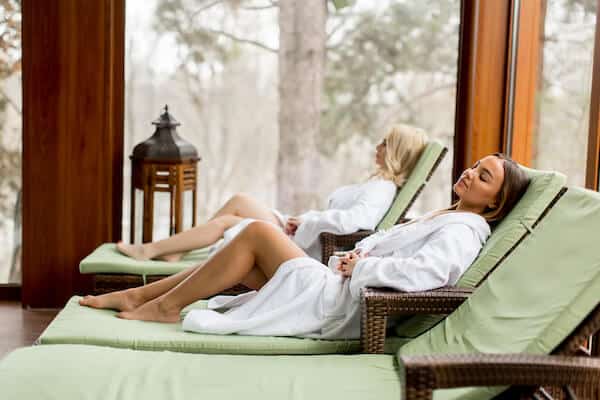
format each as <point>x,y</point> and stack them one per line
<point>301,63</point>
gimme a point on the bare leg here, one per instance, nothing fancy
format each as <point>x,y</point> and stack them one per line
<point>171,249</point>
<point>242,205</point>
<point>130,299</point>
<point>260,246</point>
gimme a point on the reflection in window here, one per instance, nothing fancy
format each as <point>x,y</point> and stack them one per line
<point>215,64</point>
<point>10,141</point>
<point>560,140</point>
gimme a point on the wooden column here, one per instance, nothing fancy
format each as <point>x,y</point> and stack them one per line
<point>73,103</point>
<point>481,87</point>
<point>593,156</point>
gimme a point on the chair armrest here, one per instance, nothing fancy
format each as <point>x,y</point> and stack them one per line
<point>330,242</point>
<point>422,374</point>
<point>378,304</point>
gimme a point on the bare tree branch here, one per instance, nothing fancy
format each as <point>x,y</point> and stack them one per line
<point>242,40</point>
<point>10,101</point>
<point>206,7</point>
<point>258,8</point>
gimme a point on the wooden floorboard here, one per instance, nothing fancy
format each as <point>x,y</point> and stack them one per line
<point>21,327</point>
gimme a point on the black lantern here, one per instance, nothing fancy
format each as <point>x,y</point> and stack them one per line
<point>163,163</point>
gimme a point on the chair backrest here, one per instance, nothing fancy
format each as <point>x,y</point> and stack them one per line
<point>544,189</point>
<point>428,162</point>
<point>535,299</point>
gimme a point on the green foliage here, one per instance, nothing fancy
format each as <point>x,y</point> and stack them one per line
<point>10,37</point>
<point>339,4</point>
<point>198,45</point>
<point>368,67</point>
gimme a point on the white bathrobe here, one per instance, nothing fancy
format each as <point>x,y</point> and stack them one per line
<point>308,299</point>
<point>349,209</point>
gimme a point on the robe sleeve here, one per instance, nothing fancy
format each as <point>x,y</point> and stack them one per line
<point>440,262</point>
<point>370,207</point>
<point>371,241</point>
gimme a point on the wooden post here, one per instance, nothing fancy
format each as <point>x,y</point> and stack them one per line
<point>73,107</point>
<point>149,174</point>
<point>481,87</point>
<point>527,78</point>
<point>179,199</point>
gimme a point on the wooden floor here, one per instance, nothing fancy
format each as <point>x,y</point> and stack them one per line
<point>19,327</point>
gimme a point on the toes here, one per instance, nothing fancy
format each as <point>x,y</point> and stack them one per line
<point>87,300</point>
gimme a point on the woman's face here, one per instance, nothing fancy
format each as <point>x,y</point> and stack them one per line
<point>380,153</point>
<point>478,187</point>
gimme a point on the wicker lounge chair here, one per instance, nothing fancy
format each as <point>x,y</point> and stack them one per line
<point>113,271</point>
<point>558,258</point>
<point>424,310</point>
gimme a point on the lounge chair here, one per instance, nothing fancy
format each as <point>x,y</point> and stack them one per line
<point>82,325</point>
<point>542,299</point>
<point>114,271</point>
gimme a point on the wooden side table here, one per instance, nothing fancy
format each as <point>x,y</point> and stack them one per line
<point>174,177</point>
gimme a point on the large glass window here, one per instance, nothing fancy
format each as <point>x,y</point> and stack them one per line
<point>560,140</point>
<point>10,141</point>
<point>216,65</point>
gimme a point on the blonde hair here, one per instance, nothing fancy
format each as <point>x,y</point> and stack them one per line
<point>403,147</point>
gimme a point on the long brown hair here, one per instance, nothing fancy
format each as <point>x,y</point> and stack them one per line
<point>513,187</point>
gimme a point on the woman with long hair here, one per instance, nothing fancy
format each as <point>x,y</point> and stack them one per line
<point>350,208</point>
<point>298,296</point>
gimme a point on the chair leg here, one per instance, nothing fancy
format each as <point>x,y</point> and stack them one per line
<point>372,335</point>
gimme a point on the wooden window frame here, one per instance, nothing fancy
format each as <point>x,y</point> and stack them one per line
<point>593,150</point>
<point>481,84</point>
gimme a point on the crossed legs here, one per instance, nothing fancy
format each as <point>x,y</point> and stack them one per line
<point>251,258</point>
<point>233,211</point>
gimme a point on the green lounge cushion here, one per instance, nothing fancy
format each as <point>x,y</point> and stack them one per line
<point>83,325</point>
<point>410,189</point>
<point>536,298</point>
<point>106,259</point>
<point>74,372</point>
<point>544,187</point>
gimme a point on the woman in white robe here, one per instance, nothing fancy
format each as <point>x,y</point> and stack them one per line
<point>349,208</point>
<point>302,297</point>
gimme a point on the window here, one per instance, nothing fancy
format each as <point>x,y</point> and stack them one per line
<point>560,140</point>
<point>216,65</point>
<point>10,143</point>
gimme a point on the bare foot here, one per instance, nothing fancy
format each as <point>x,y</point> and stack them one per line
<point>153,310</point>
<point>171,257</point>
<point>124,300</point>
<point>135,251</point>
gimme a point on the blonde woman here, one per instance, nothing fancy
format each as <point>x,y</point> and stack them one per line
<point>350,208</point>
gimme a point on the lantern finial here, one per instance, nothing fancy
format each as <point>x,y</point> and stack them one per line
<point>166,108</point>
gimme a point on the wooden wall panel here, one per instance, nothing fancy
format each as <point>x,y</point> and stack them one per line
<point>73,73</point>
<point>482,66</point>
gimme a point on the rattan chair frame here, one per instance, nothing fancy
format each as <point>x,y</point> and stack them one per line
<point>378,304</point>
<point>570,372</point>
